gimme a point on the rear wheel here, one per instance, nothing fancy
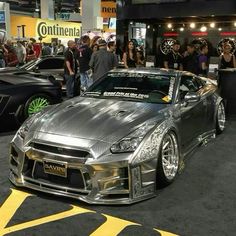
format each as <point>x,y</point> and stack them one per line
<point>35,104</point>
<point>220,118</point>
<point>168,161</point>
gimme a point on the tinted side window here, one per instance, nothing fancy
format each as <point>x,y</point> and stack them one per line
<point>52,63</point>
<point>189,84</point>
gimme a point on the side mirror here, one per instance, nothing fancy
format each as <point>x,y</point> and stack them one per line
<point>192,97</point>
<point>36,69</point>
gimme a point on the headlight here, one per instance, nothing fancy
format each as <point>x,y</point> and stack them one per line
<point>132,141</point>
<point>23,130</point>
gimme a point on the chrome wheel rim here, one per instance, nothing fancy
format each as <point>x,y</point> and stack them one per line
<point>170,156</point>
<point>37,105</point>
<point>221,116</point>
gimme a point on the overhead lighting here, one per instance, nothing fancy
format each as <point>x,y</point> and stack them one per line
<point>169,26</point>
<point>220,29</point>
<point>203,29</point>
<point>37,6</point>
<point>181,29</point>
<point>192,25</point>
<point>212,24</point>
<point>235,24</point>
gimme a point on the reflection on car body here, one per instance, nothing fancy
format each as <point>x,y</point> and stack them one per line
<point>127,135</point>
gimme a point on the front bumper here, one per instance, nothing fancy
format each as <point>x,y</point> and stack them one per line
<point>87,179</point>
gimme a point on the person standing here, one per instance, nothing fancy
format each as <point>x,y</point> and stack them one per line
<point>84,56</point>
<point>130,55</point>
<point>36,47</point>
<point>203,60</point>
<point>20,53</point>
<point>190,60</point>
<point>140,59</point>
<point>174,60</point>
<point>3,52</point>
<point>112,46</point>
<point>227,59</point>
<point>102,61</point>
<point>70,69</point>
<point>54,48</point>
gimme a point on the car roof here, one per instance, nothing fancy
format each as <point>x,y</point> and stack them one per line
<point>148,70</point>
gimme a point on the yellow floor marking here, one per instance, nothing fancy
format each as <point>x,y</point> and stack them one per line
<point>74,211</point>
<point>112,227</point>
<point>10,206</point>
<point>164,233</point>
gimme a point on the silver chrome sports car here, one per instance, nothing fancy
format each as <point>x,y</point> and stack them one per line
<point>120,140</point>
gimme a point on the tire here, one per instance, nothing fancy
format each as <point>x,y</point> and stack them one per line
<point>168,160</point>
<point>220,118</point>
<point>35,104</point>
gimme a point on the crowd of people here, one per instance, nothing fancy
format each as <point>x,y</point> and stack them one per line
<point>93,61</point>
<point>94,57</point>
<point>196,60</point>
<point>19,52</point>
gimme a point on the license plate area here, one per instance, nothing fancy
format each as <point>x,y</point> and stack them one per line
<point>52,167</point>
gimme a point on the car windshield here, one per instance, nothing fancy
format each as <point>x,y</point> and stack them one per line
<point>29,65</point>
<point>142,87</point>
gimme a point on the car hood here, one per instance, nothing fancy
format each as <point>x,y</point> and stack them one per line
<point>97,119</point>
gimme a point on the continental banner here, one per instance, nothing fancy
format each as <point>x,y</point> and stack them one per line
<point>46,29</point>
<point>108,8</point>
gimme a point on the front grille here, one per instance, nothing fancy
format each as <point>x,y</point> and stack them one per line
<point>75,180</point>
<point>60,150</point>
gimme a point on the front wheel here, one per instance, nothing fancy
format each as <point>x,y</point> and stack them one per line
<point>168,160</point>
<point>220,118</point>
<point>35,104</point>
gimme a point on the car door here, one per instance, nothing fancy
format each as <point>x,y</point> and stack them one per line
<point>208,92</point>
<point>192,114</point>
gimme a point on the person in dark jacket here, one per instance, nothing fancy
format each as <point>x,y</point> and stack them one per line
<point>84,56</point>
<point>174,59</point>
<point>70,69</point>
<point>190,60</point>
<point>102,61</point>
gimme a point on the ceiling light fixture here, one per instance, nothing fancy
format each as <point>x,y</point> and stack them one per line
<point>192,25</point>
<point>212,24</point>
<point>37,6</point>
<point>203,28</point>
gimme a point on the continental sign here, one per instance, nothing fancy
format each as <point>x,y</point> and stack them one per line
<point>47,29</point>
<point>108,9</point>
<point>14,205</point>
<point>54,29</point>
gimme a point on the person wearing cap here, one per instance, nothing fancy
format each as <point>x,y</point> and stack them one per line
<point>174,60</point>
<point>102,60</point>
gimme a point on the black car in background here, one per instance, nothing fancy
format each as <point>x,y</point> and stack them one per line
<point>23,94</point>
<point>48,64</point>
